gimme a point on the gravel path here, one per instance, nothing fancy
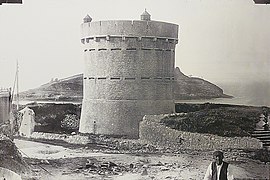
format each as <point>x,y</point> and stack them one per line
<point>84,163</point>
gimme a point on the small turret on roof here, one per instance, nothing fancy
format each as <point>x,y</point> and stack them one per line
<point>145,16</point>
<point>87,19</point>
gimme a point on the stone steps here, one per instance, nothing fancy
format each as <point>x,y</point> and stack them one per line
<point>263,136</point>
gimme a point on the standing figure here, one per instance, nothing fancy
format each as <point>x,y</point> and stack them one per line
<point>266,126</point>
<point>218,169</point>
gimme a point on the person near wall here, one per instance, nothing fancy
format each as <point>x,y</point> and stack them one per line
<point>218,169</point>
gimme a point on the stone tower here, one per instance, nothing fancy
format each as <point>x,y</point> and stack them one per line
<point>129,72</point>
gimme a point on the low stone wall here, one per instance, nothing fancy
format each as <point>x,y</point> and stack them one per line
<point>73,139</point>
<point>155,133</point>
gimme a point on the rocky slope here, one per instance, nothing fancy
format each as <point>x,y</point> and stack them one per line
<point>10,157</point>
<point>195,88</point>
<point>71,89</point>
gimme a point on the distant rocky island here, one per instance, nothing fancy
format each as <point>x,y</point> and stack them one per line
<point>71,89</point>
<point>194,88</point>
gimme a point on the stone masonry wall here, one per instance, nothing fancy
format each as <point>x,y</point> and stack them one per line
<point>128,27</point>
<point>4,107</point>
<point>153,132</point>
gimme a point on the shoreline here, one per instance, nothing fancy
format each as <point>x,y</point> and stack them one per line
<point>241,101</point>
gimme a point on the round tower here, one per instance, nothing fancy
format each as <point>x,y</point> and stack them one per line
<point>129,73</point>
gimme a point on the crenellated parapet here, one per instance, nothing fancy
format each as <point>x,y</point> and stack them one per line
<point>129,28</point>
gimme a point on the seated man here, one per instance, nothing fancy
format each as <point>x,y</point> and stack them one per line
<point>218,170</point>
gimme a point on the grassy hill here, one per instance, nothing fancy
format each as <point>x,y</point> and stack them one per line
<point>71,89</point>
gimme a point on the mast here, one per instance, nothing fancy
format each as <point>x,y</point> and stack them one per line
<point>16,85</point>
<point>17,88</point>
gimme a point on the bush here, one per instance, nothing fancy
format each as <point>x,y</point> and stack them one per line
<point>262,155</point>
<point>70,122</point>
<point>49,116</point>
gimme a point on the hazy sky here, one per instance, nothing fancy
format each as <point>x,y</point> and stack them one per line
<point>219,40</point>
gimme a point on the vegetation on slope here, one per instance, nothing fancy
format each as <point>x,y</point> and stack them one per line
<point>54,117</point>
<point>222,120</point>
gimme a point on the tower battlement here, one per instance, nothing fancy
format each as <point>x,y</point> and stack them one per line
<point>135,28</point>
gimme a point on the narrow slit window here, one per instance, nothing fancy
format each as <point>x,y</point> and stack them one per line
<point>115,49</point>
<point>115,78</point>
<point>102,78</point>
<point>131,49</point>
<point>130,78</point>
<point>146,49</point>
<point>145,77</point>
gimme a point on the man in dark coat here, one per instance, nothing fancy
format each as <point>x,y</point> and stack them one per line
<point>218,169</point>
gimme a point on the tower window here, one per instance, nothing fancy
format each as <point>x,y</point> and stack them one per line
<point>129,78</point>
<point>115,78</point>
<point>131,49</point>
<point>147,49</point>
<point>102,78</point>
<point>145,77</point>
<point>114,49</point>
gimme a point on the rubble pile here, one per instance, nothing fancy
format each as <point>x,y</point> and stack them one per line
<point>119,145</point>
<point>108,168</point>
<point>103,168</point>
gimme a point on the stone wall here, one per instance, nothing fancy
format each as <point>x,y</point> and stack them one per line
<point>153,132</point>
<point>72,139</point>
<point>4,106</point>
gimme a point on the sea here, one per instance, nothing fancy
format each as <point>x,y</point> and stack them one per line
<point>244,93</point>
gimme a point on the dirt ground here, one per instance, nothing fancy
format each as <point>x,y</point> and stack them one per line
<point>58,162</point>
